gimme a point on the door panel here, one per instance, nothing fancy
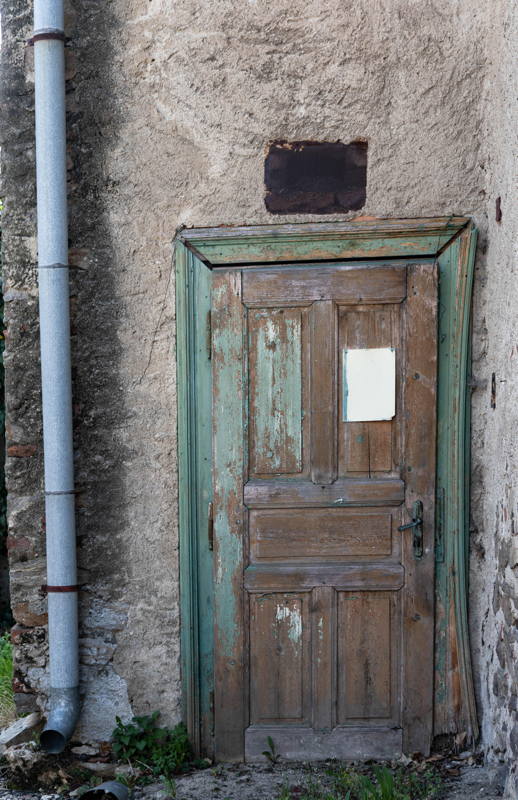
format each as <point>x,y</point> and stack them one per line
<point>280,658</point>
<point>286,577</point>
<point>369,448</point>
<point>278,388</point>
<point>368,656</point>
<point>302,494</point>
<point>343,284</point>
<point>319,533</point>
<point>324,614</point>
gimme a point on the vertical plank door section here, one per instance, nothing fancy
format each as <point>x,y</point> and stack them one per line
<point>228,512</point>
<point>323,608</point>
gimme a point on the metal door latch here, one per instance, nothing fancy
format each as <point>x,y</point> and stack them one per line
<point>417,526</point>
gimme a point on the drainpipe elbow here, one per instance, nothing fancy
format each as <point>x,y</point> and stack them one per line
<point>62,719</point>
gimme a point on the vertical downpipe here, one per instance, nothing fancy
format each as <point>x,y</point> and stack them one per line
<point>51,183</point>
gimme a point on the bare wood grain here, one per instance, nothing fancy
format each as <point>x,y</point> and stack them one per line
<point>323,392</point>
<point>344,284</point>
<point>323,614</point>
<point>344,743</point>
<point>279,658</point>
<point>297,494</point>
<point>319,533</point>
<point>365,651</point>
<point>287,577</point>
<point>420,435</point>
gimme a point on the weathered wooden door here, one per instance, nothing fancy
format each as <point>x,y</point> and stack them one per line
<point>323,607</point>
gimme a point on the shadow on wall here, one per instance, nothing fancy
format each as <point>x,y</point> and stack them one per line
<point>6,618</point>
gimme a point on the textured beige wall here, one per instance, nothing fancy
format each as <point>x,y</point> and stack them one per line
<point>199,90</point>
<point>171,107</point>
<point>494,578</point>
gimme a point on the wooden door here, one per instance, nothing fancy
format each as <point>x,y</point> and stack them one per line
<point>323,608</point>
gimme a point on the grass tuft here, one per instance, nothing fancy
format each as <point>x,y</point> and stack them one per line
<point>376,783</point>
<point>7,705</point>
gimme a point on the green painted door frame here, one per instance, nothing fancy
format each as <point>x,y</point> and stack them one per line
<point>452,242</point>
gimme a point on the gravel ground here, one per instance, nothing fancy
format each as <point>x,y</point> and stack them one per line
<point>244,782</point>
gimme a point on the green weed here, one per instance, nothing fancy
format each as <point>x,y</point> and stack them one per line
<point>161,752</point>
<point>7,706</point>
<point>382,783</point>
<point>271,754</point>
<point>170,786</point>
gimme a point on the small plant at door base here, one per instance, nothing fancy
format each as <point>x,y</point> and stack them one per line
<point>170,787</point>
<point>161,752</point>
<point>381,783</point>
<point>271,754</point>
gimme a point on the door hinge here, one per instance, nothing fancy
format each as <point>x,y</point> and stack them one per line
<point>209,335</point>
<point>439,527</point>
<point>210,527</point>
<point>211,711</point>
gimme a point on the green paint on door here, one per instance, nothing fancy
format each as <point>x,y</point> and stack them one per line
<point>275,390</point>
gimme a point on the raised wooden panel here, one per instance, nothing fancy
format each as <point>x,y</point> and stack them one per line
<point>319,533</point>
<point>288,577</point>
<point>369,448</point>
<point>366,645</point>
<point>343,743</point>
<point>279,658</point>
<point>344,283</point>
<point>294,493</point>
<point>275,390</point>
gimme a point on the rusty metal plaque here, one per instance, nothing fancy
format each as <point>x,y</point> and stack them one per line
<point>311,177</point>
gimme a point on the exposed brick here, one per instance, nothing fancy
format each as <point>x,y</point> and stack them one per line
<point>21,450</point>
<point>18,543</point>
<point>25,616</point>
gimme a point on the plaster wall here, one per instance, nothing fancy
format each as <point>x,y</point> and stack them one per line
<point>494,554</point>
<point>170,111</point>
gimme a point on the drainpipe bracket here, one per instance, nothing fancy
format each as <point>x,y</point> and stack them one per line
<point>46,588</point>
<point>61,266</point>
<point>44,34</point>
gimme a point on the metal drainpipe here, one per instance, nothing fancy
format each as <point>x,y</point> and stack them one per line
<point>51,183</point>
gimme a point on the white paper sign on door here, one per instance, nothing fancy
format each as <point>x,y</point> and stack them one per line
<point>369,384</point>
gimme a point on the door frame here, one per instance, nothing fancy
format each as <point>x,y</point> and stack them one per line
<point>452,242</point>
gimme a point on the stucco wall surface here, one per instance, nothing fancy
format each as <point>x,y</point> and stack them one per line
<point>494,575</point>
<point>171,107</point>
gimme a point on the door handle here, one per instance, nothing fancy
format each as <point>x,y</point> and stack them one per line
<point>417,526</point>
